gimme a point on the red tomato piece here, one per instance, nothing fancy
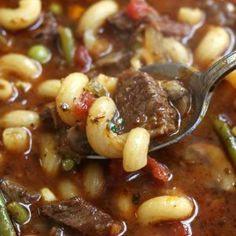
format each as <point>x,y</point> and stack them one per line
<point>83,59</point>
<point>137,9</point>
<point>82,106</point>
<point>159,172</point>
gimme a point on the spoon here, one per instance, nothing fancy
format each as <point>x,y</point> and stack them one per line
<point>201,86</point>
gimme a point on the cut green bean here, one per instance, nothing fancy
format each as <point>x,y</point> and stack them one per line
<point>18,212</point>
<point>228,139</point>
<point>67,43</point>
<point>6,226</point>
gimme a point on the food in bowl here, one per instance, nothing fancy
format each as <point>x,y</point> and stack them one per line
<point>77,115</point>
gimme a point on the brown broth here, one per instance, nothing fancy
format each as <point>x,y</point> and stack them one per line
<point>214,209</point>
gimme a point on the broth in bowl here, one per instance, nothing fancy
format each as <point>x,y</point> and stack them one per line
<point>77,116</point>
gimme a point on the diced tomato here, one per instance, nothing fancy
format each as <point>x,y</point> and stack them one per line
<point>137,9</point>
<point>83,59</point>
<point>159,172</point>
<point>83,104</point>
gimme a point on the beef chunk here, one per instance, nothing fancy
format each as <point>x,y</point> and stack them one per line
<point>219,12</point>
<point>16,192</point>
<point>77,141</point>
<point>142,102</point>
<point>50,118</point>
<point>57,231</point>
<point>122,22</point>
<point>170,27</point>
<point>163,23</point>
<point>80,215</point>
<point>47,31</point>
<point>73,144</point>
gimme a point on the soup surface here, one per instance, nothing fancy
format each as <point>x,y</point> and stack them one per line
<point>77,116</point>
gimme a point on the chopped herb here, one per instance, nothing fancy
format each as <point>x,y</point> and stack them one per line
<point>96,88</point>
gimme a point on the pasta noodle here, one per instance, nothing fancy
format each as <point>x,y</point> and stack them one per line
<point>93,18</point>
<point>49,89</point>
<point>164,208</point>
<point>215,42</point>
<point>6,90</point>
<point>16,139</point>
<point>21,65</point>
<point>20,118</point>
<point>22,17</point>
<point>136,149</point>
<point>71,88</point>
<point>102,140</point>
<point>49,158</point>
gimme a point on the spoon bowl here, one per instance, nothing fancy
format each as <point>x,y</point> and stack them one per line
<point>201,87</point>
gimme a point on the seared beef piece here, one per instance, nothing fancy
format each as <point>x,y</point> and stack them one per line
<point>78,141</point>
<point>50,118</point>
<point>122,22</point>
<point>80,215</point>
<point>219,12</point>
<point>73,144</point>
<point>16,192</point>
<point>47,31</point>
<point>57,231</point>
<point>163,23</point>
<point>170,27</point>
<point>142,102</point>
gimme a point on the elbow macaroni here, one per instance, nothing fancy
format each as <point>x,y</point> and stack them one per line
<point>6,90</point>
<point>49,89</point>
<point>93,18</point>
<point>22,17</point>
<point>71,89</point>
<point>16,139</point>
<point>100,137</point>
<point>20,118</point>
<point>21,65</point>
<point>165,208</point>
<point>215,42</point>
<point>136,149</point>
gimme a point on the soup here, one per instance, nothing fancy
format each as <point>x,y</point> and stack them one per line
<point>77,116</point>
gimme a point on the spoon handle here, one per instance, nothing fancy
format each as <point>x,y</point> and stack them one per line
<point>218,70</point>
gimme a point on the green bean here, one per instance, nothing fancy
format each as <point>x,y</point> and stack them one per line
<point>224,132</point>
<point>6,226</point>
<point>68,164</point>
<point>18,212</point>
<point>67,43</point>
<point>55,8</point>
<point>40,53</point>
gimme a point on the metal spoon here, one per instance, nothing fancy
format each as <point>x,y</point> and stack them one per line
<point>201,86</point>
